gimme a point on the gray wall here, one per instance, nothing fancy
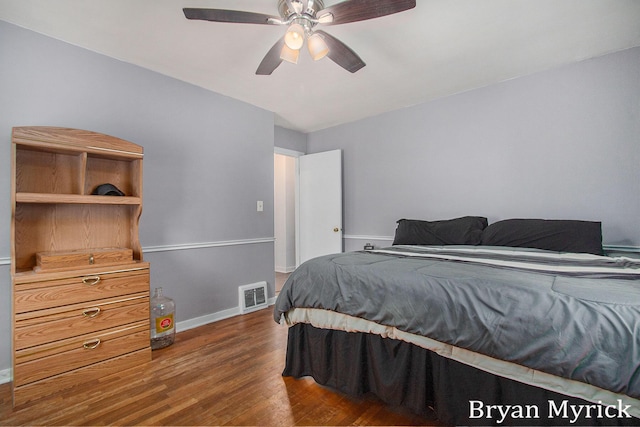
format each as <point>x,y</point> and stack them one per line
<point>564,143</point>
<point>290,139</point>
<point>208,159</point>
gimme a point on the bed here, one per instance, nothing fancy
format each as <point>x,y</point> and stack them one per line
<point>521,322</point>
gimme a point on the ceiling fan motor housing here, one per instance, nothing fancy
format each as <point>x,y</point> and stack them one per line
<point>309,7</point>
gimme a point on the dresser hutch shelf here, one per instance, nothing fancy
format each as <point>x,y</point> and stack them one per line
<point>72,321</point>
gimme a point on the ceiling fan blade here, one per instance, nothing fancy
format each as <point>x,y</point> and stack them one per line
<point>360,10</point>
<point>341,54</point>
<point>271,60</point>
<point>233,16</point>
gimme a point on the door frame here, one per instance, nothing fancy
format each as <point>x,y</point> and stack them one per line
<point>295,154</point>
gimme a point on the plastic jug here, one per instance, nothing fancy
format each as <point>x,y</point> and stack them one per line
<point>163,331</point>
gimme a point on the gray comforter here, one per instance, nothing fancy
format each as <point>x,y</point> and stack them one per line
<point>572,315</point>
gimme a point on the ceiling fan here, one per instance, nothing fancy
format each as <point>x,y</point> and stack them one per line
<point>301,17</point>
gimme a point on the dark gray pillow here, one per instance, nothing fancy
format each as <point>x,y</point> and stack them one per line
<point>459,231</point>
<point>552,235</point>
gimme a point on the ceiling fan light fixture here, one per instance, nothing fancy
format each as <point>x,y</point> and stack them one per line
<point>294,38</point>
<point>301,17</point>
<point>318,48</point>
<point>289,55</point>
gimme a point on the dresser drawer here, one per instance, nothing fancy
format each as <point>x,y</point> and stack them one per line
<point>91,373</point>
<point>37,363</point>
<point>80,289</point>
<point>43,326</point>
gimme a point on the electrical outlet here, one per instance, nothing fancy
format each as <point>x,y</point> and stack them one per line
<point>260,206</point>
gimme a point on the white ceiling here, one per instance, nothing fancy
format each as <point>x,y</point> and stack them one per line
<point>439,48</point>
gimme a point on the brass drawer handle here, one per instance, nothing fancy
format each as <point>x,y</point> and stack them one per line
<point>91,280</point>
<point>91,312</point>
<point>90,345</point>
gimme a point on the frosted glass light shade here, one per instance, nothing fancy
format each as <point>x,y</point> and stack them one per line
<point>289,55</point>
<point>318,49</point>
<point>294,38</point>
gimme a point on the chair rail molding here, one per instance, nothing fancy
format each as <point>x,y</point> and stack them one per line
<point>607,248</point>
<point>201,245</point>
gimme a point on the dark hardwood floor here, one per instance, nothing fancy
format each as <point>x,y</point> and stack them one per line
<point>224,373</point>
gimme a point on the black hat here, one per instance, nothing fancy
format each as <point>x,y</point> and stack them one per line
<point>107,190</point>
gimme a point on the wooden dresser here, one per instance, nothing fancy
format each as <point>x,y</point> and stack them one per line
<point>80,287</point>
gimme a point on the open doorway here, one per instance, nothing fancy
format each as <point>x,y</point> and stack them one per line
<point>284,196</point>
<point>307,208</point>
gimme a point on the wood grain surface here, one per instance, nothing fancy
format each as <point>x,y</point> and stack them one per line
<point>223,373</point>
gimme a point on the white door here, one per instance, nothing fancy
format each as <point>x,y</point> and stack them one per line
<point>320,205</point>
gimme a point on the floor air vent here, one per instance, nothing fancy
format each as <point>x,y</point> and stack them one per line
<point>252,297</point>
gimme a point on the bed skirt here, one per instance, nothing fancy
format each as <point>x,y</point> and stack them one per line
<point>403,374</point>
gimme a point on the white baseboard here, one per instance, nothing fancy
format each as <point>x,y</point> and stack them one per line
<point>206,319</point>
<point>5,376</point>
<point>213,317</point>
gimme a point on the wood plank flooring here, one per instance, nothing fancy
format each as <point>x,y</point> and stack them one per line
<point>224,373</point>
